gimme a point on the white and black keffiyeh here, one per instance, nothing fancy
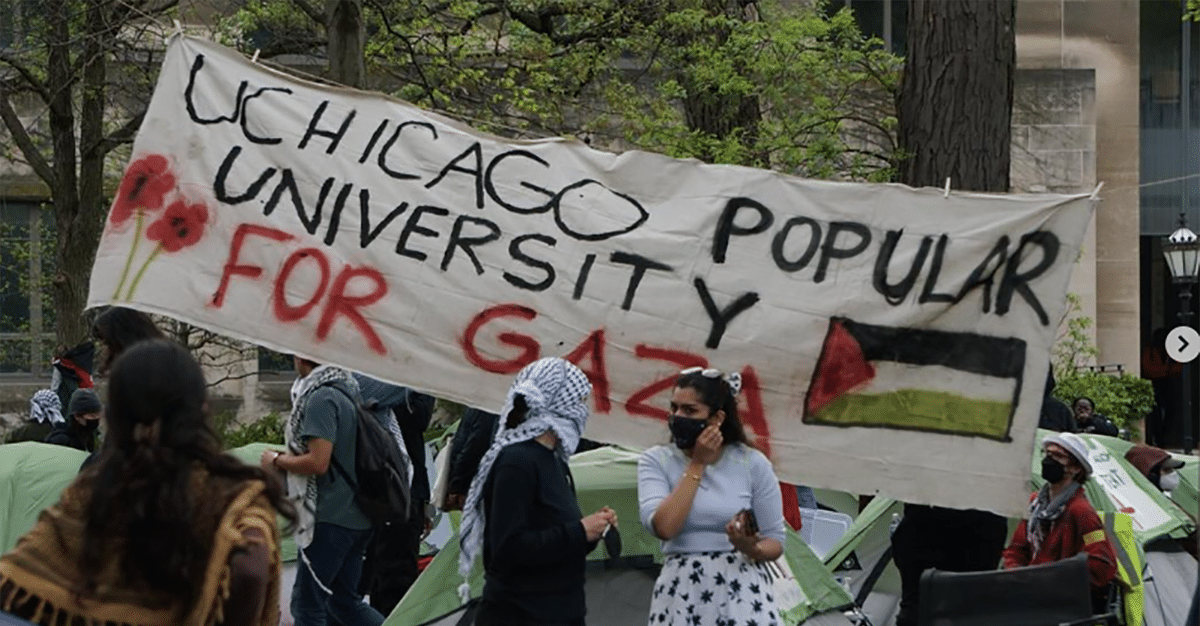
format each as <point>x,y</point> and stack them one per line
<point>556,393</point>
<point>45,407</point>
<point>1044,511</point>
<point>302,489</point>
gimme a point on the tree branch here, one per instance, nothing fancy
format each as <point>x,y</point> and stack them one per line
<point>122,135</point>
<point>21,136</point>
<point>311,11</point>
<point>34,83</point>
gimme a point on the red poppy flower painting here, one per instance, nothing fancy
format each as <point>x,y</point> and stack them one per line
<point>180,226</point>
<point>146,183</point>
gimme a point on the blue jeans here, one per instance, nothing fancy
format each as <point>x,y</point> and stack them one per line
<point>335,558</point>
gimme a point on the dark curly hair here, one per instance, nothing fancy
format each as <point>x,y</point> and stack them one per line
<point>157,431</point>
<point>717,395</point>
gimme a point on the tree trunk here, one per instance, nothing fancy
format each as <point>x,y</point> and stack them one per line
<point>346,34</point>
<point>955,102</point>
<point>70,280</point>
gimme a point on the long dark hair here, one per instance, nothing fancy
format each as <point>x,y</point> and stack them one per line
<point>158,429</point>
<point>717,395</point>
<point>118,328</point>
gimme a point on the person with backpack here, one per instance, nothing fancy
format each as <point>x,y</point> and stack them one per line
<point>322,468</point>
<point>391,566</point>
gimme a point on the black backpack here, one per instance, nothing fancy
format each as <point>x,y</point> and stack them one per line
<point>382,489</point>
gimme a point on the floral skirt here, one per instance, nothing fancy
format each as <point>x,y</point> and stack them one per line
<point>712,589</point>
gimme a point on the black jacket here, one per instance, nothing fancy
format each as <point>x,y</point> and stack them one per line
<point>471,442</point>
<point>72,435</point>
<point>1097,424</point>
<point>534,547</point>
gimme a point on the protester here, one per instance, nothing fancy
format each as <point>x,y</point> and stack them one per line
<point>71,369</point>
<point>1157,465</point>
<point>521,507</point>
<point>45,412</point>
<point>476,428</point>
<point>1087,420</point>
<point>118,328</point>
<point>1055,415</point>
<point>83,422</point>
<point>164,529</point>
<point>1162,470</point>
<point>392,554</point>
<point>1165,375</point>
<point>1062,523</point>
<point>715,503</point>
<point>332,532</point>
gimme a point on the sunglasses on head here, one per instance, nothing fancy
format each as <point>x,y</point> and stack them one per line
<point>706,372</point>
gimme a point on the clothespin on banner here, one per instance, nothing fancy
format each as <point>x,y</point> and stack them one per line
<point>947,188</point>
<point>254,59</point>
<point>1096,193</point>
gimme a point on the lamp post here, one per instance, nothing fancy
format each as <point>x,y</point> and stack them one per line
<point>1182,252</point>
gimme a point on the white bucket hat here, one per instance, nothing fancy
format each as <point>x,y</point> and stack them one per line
<point>1073,445</point>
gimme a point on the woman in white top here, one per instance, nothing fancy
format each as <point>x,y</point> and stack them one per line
<point>691,495</point>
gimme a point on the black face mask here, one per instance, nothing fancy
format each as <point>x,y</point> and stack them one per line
<point>1052,470</point>
<point>685,430</point>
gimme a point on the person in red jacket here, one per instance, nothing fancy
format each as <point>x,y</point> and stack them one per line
<point>1062,523</point>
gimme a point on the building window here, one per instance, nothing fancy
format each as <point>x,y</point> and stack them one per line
<point>885,20</point>
<point>26,256</point>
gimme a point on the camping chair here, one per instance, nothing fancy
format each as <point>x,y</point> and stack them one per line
<point>1053,594</point>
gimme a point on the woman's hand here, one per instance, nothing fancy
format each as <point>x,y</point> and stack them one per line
<point>267,460</point>
<point>708,446</point>
<point>739,535</point>
<point>594,524</point>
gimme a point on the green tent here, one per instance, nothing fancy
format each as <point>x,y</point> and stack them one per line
<point>32,476</point>
<point>608,477</point>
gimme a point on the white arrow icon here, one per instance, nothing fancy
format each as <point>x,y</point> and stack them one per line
<point>1183,344</point>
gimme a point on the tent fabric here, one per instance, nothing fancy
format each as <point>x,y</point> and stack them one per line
<point>1170,583</point>
<point>618,591</point>
<point>32,476</point>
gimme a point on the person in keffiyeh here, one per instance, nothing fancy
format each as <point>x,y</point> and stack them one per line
<point>521,508</point>
<point>1062,522</point>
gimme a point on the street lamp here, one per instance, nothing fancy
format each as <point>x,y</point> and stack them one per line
<point>1182,251</point>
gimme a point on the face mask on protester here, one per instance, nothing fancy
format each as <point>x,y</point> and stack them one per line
<point>1052,471</point>
<point>685,430</point>
<point>1169,482</point>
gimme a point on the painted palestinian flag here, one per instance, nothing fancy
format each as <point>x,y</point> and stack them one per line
<point>916,379</point>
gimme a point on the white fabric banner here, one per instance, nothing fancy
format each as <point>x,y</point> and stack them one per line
<point>889,339</point>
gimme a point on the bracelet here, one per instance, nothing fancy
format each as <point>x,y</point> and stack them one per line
<point>695,476</point>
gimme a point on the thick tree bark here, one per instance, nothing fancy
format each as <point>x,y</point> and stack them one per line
<point>70,281</point>
<point>347,38</point>
<point>79,230</point>
<point>955,102</point>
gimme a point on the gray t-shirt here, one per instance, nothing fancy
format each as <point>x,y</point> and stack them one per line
<point>330,415</point>
<point>741,479</point>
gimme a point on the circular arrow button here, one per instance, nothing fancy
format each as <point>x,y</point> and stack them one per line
<point>1183,344</point>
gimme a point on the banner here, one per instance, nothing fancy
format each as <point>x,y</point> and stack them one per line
<point>888,338</point>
